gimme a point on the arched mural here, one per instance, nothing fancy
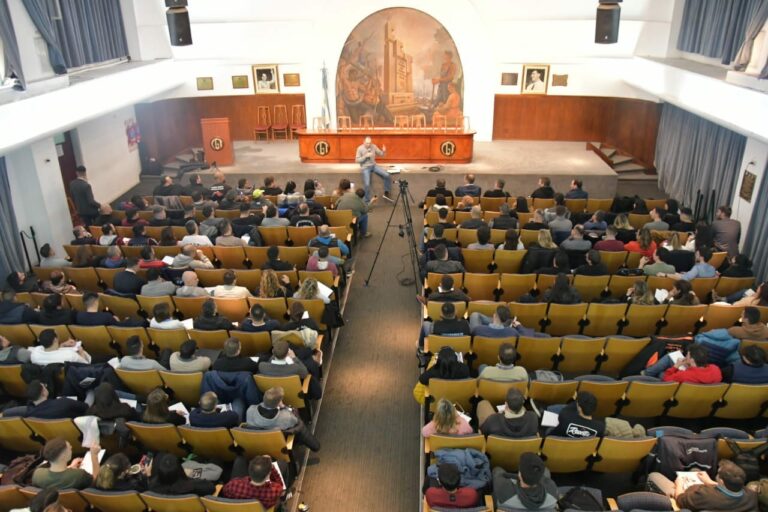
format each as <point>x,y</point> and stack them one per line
<point>399,62</point>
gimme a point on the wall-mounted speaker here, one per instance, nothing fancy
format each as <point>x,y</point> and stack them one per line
<point>607,22</point>
<point>178,22</point>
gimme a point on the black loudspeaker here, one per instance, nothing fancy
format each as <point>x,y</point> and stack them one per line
<point>607,23</point>
<point>178,26</point>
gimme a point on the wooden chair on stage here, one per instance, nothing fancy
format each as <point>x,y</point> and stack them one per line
<point>298,119</point>
<point>438,122</point>
<point>263,123</point>
<point>280,121</point>
<point>402,122</point>
<point>418,121</point>
<point>366,121</point>
<point>344,123</point>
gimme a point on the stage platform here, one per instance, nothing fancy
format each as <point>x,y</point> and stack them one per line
<point>519,163</point>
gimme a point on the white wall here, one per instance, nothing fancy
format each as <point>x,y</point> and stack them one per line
<point>102,147</point>
<point>32,48</point>
<point>145,30</point>
<point>755,151</point>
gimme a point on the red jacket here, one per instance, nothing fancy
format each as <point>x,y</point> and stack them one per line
<point>709,374</point>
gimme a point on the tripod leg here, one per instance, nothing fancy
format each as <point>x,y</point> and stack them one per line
<point>381,242</point>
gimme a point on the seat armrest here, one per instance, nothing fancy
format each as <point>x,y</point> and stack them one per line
<point>305,385</point>
<point>289,442</point>
<point>612,503</point>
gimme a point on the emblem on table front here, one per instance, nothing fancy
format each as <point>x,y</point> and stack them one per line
<point>448,148</point>
<point>322,148</point>
<point>217,143</point>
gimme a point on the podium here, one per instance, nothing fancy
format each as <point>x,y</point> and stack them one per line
<point>217,142</point>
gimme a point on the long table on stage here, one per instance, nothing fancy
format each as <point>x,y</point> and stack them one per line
<point>416,145</point>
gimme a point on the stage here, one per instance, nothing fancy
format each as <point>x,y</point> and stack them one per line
<point>519,163</point>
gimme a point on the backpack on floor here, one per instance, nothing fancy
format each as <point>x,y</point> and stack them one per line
<point>578,498</point>
<point>20,470</point>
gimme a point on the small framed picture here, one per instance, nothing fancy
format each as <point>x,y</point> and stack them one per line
<point>240,82</point>
<point>535,78</point>
<point>291,80</point>
<point>509,79</point>
<point>265,79</point>
<point>204,83</point>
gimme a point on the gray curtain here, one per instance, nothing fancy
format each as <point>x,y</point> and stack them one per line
<point>10,45</point>
<point>693,154</point>
<point>755,26</point>
<point>716,28</point>
<point>756,241</point>
<point>91,31</point>
<point>11,254</point>
<point>38,11</point>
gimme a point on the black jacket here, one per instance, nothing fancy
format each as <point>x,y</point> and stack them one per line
<point>56,408</point>
<point>82,196</point>
<point>235,364</point>
<point>215,323</point>
<point>128,282</point>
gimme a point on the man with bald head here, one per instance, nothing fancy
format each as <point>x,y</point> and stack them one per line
<point>191,257</point>
<point>366,157</point>
<point>191,286</point>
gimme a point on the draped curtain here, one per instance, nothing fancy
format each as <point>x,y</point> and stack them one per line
<point>693,154</point>
<point>753,29</point>
<point>90,31</point>
<point>717,28</point>
<point>11,255</point>
<point>756,241</point>
<point>10,45</point>
<point>38,11</point>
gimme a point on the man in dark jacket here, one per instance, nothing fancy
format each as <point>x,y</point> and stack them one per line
<point>593,267</point>
<point>230,359</point>
<point>41,406</point>
<point>12,312</point>
<point>513,421</point>
<point>531,489</point>
<point>127,282</point>
<point>545,190</point>
<point>82,196</point>
<point>209,415</point>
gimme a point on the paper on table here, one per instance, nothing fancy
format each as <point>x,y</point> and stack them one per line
<point>189,323</point>
<point>550,419</point>
<point>87,464</point>
<point>661,294</point>
<point>168,260</point>
<point>114,362</point>
<point>255,359</point>
<point>324,290</point>
<point>676,356</point>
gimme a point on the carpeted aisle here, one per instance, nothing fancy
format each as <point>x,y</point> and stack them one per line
<point>369,422</point>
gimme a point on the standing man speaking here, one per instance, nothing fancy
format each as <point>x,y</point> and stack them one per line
<point>366,157</point>
<point>82,196</point>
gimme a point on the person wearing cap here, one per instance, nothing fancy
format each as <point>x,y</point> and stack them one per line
<point>259,200</point>
<point>60,473</point>
<point>514,420</point>
<point>531,488</point>
<point>450,494</point>
<point>575,419</point>
<point>185,360</point>
<point>41,405</point>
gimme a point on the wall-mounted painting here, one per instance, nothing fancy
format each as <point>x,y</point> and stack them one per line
<point>399,62</point>
<point>291,80</point>
<point>240,82</point>
<point>509,79</point>
<point>204,83</point>
<point>559,80</point>
<point>535,78</point>
<point>265,79</point>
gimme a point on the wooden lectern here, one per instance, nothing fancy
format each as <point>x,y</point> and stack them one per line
<point>217,142</point>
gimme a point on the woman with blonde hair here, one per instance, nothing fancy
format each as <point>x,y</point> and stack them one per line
<point>624,230</point>
<point>640,294</point>
<point>644,244</point>
<point>117,474</point>
<point>310,289</point>
<point>545,239</point>
<point>446,421</point>
<point>270,285</point>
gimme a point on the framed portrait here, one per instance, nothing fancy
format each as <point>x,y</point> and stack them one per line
<point>535,78</point>
<point>265,79</point>
<point>291,80</point>
<point>204,83</point>
<point>240,82</point>
<point>509,79</point>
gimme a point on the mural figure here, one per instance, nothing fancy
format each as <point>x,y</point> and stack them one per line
<point>399,62</point>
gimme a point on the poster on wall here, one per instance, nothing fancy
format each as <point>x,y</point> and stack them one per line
<point>132,134</point>
<point>265,79</point>
<point>400,65</point>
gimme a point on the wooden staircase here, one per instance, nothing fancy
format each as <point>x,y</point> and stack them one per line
<point>624,164</point>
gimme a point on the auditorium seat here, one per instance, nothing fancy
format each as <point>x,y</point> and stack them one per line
<point>622,455</point>
<point>604,319</point>
<point>508,262</point>
<point>140,382</point>
<point>580,355</point>
<point>462,344</point>
<point>481,286</point>
<point>276,308</point>
<point>96,339</point>
<point>565,455</point>
<point>256,442</point>
<point>20,334</point>
<point>16,436</point>
<point>167,338</point>
<point>721,316</point>
<point>437,442</point>
<point>486,350</point>
<point>168,503</point>
<point>565,319</point>
<point>85,279</point>
<point>216,504</point>
<point>682,320</point>
<point>433,280</point>
<point>537,353</point>
<point>743,402</point>
<point>506,451</point>
<point>551,393</point>
<point>643,320</point>
<point>619,352</point>
<point>148,303</point>
<point>531,315</point>
<point>208,339</point>
<point>232,257</point>
<point>189,307</point>
<point>693,401</point>
<point>232,309</point>
<point>728,285</point>
<point>117,501</point>
<point>591,287</point>
<point>300,236</point>
<point>62,332</point>
<point>69,498</point>
<point>12,498</point>
<point>484,307</point>
<point>254,343</point>
<point>122,307</point>
<point>52,428</point>
<point>209,443</point>
<point>477,260</point>
<point>183,386</point>
<point>273,235</point>
<point>514,286</point>
<point>495,391</point>
<point>161,437</point>
<point>295,389</point>
<point>608,394</point>
<point>121,334</point>
<point>458,391</point>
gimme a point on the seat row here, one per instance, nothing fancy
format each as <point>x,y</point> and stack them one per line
<point>574,205</point>
<point>632,398</point>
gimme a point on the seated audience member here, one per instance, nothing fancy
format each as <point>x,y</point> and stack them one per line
<point>447,325</point>
<point>195,185</point>
<point>726,231</point>
<point>132,218</point>
<point>274,262</point>
<point>167,188</point>
<point>257,321</point>
<point>661,265</point>
<point>85,257</point>
<point>299,318</point>
<point>137,202</point>
<point>50,260</point>
<point>504,220</point>
<point>561,292</point>
<point>209,415</point>
<point>450,494</point>
<point>191,257</point>
<point>545,191</point>
<point>596,222</point>
<point>326,238</point>
<point>576,241</point>
<point>273,285</point>
<point>310,289</point>
<point>445,292</point>
<point>644,244</point>
<point>272,218</point>
<point>447,366</point>
<point>512,241</point>
<point>116,474</point>
<point>469,188</point>
<point>246,220</point>
<point>21,282</point>
<point>269,187</point>
<point>561,264</point>
<point>273,414</point>
<point>639,206</point>
<point>465,204</point>
<point>536,222</point>
<point>624,230</point>
<point>283,362</point>
<point>105,216</point>
<point>439,189</point>
<point>531,488</point>
<point>57,284</point>
<point>114,258</point>
<point>157,286</point>
<point>50,351</point>
<point>244,187</point>
<point>149,260</point>
<point>576,191</point>
<point>446,420</point>
<point>260,201</point>
<point>140,237</point>
<point>693,368</point>
<point>109,236</point>
<point>159,216</point>
<point>229,289</point>
<point>82,237</point>
<point>441,264</point>
<point>440,204</point>
<point>575,419</point>
<point>513,421</point>
<point>62,472</point>
<point>162,319</point>
<point>229,201</point>
<point>157,410</point>
<point>751,327</point>
<point>751,368</point>
<point>640,294</point>
<point>186,360</point>
<point>540,253</point>
<point>167,238</point>
<point>559,222</point>
<point>437,238</point>
<point>227,239</point>
<point>260,480</point>
<point>609,242</point>
<point>304,218</point>
<point>475,219</point>
<point>740,266</point>
<point>702,268</point>
<point>41,405</point>
<point>498,190</point>
<point>671,212</point>
<point>290,196</point>
<point>11,353</point>
<point>134,358</point>
<point>442,220</point>
<point>682,294</point>
<point>190,287</point>
<point>726,492</point>
<point>107,405</point>
<point>52,313</point>
<point>127,282</point>
<point>500,325</point>
<point>209,227</point>
<point>685,224</point>
<point>354,200</point>
<point>505,369</point>
<point>593,267</point>
<point>521,206</point>
<point>656,223</point>
<point>483,240</point>
<point>550,213</point>
<point>168,477</point>
<point>319,261</point>
<point>193,236</point>
<point>210,319</point>
<point>12,312</point>
<point>230,359</point>
<point>315,208</point>
<point>220,187</point>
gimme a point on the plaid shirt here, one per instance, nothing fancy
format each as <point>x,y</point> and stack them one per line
<point>242,489</point>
